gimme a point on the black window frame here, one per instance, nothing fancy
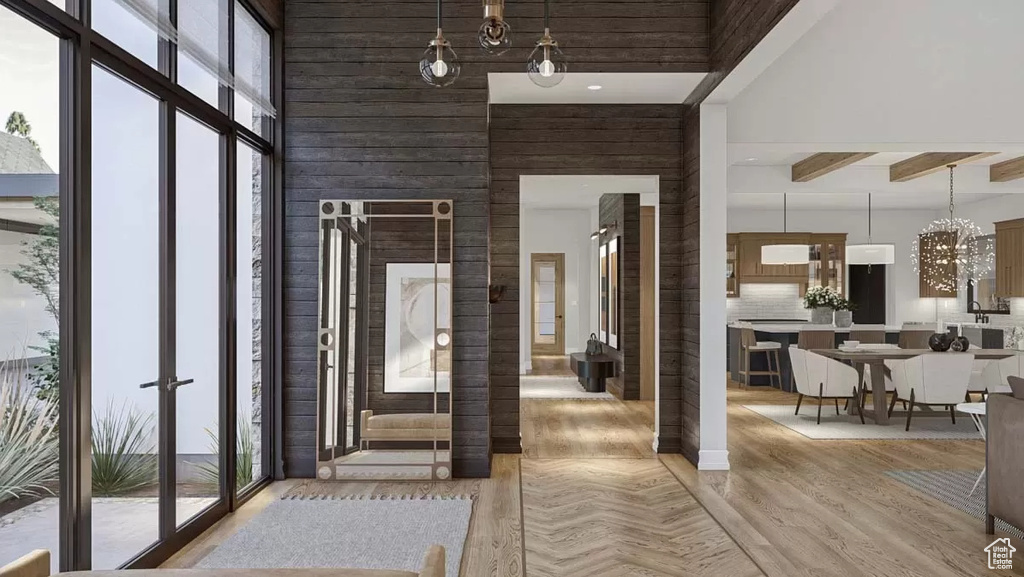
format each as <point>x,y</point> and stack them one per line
<point>80,48</point>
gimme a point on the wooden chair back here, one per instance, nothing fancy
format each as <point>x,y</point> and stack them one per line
<point>868,334</point>
<point>811,337</point>
<point>747,337</point>
<point>915,338</point>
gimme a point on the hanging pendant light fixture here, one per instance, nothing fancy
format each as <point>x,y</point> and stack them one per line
<point>945,253</point>
<point>547,65</point>
<point>495,35</point>
<point>870,253</point>
<point>439,65</point>
<point>785,253</point>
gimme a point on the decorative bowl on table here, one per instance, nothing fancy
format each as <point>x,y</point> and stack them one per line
<point>960,344</point>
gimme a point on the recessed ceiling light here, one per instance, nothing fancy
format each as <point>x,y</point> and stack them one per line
<point>594,87</point>
<point>751,159</point>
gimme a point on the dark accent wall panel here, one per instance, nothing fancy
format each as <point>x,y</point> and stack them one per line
<point>623,210</point>
<point>577,139</point>
<point>736,27</point>
<point>359,123</point>
<point>271,10</point>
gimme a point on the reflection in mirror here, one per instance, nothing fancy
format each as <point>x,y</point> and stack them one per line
<point>384,352</point>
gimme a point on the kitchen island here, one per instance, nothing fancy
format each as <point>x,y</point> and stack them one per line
<point>785,334</point>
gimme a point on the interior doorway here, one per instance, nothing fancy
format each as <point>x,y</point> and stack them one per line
<point>547,311</point>
<point>867,293</point>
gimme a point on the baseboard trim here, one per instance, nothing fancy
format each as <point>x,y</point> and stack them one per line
<point>507,445</point>
<point>668,446</point>
<point>471,469</point>
<point>713,460</point>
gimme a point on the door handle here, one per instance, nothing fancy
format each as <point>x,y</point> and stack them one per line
<point>175,384</point>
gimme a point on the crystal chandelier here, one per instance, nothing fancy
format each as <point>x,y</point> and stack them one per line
<point>945,253</point>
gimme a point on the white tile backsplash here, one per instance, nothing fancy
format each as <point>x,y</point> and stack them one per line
<point>767,301</point>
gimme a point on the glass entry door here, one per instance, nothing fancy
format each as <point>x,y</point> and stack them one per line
<point>548,306</point>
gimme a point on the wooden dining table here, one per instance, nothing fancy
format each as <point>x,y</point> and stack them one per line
<point>876,358</point>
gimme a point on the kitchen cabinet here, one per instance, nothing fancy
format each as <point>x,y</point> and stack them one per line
<point>826,251</point>
<point>1010,258</point>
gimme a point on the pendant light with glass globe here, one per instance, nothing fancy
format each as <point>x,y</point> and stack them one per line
<point>547,65</point>
<point>495,34</point>
<point>439,65</point>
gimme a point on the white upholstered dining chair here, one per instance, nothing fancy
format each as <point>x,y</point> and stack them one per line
<point>995,374</point>
<point>823,378</point>
<point>931,379</point>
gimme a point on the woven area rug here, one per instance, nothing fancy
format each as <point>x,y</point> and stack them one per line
<point>382,533</point>
<point>953,488</point>
<point>846,427</point>
<point>541,387</point>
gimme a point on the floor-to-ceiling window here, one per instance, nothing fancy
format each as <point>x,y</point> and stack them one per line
<point>136,187</point>
<point>30,155</point>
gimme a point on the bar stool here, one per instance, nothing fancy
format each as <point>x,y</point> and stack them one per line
<point>915,336</point>
<point>750,345</point>
<point>868,334</point>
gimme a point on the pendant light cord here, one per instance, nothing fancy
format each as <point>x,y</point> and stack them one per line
<point>869,218</point>
<point>547,14</point>
<point>951,167</point>
<point>439,14</point>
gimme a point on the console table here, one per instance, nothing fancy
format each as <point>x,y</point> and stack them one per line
<point>592,370</point>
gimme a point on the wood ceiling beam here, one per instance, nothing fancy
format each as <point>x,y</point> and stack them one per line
<point>1007,170</point>
<point>823,163</point>
<point>930,162</point>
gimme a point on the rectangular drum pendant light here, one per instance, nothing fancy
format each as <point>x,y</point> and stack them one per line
<point>870,253</point>
<point>785,253</point>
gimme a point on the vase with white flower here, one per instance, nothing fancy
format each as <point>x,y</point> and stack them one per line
<point>822,301</point>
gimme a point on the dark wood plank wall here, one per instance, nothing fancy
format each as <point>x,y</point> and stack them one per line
<point>360,124</point>
<point>736,27</point>
<point>624,210</point>
<point>576,139</point>
<point>271,10</point>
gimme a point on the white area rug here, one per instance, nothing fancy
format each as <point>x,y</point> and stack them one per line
<point>843,426</point>
<point>348,533</point>
<point>556,388</point>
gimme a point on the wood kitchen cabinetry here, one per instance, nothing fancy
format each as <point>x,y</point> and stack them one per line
<point>826,251</point>
<point>1010,258</point>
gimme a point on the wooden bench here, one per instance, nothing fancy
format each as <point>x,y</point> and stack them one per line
<point>592,370</point>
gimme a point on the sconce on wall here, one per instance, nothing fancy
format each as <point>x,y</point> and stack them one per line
<point>604,230</point>
<point>496,292</point>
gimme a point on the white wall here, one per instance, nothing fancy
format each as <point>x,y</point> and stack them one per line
<point>558,231</point>
<point>22,312</point>
<point>885,71</point>
<point>899,227</point>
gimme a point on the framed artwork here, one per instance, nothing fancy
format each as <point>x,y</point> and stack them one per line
<point>613,293</point>
<point>602,266</point>
<point>417,312</point>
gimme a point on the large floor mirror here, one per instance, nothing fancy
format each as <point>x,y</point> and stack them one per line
<point>384,343</point>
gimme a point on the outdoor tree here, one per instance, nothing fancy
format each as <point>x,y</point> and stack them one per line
<point>18,125</point>
<point>41,271</point>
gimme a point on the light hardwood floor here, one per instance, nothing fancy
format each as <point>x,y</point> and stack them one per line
<point>790,506</point>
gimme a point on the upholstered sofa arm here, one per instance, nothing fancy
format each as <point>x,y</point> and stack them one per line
<point>35,564</point>
<point>364,421</point>
<point>433,562</point>
<point>1005,459</point>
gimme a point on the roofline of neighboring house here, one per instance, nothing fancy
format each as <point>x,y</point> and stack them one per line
<point>29,185</point>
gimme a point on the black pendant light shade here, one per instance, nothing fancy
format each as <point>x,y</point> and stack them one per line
<point>495,34</point>
<point>439,65</point>
<point>547,64</point>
